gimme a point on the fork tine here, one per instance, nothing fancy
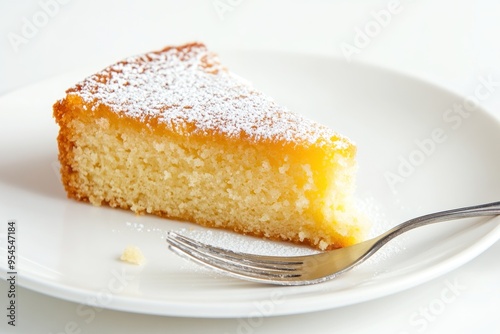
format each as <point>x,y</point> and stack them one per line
<point>249,259</point>
<point>230,257</point>
<point>263,259</point>
<point>233,270</point>
<point>191,249</point>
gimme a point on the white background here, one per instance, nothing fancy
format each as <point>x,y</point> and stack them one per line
<point>447,42</point>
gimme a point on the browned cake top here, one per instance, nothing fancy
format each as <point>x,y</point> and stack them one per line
<point>186,87</point>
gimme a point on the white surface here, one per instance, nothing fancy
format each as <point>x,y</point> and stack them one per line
<point>71,249</point>
<point>447,42</point>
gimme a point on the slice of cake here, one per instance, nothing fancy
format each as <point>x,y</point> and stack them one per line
<point>175,134</point>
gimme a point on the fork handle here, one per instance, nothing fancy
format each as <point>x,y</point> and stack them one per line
<point>488,209</point>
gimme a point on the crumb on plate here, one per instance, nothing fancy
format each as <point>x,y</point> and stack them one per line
<point>132,254</point>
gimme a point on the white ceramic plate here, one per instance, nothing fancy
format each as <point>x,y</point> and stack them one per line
<point>436,160</point>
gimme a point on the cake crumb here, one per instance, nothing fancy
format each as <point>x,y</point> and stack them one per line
<point>132,254</point>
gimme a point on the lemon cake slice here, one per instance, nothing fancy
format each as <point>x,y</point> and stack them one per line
<point>175,134</point>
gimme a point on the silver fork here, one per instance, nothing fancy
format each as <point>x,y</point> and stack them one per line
<point>308,269</point>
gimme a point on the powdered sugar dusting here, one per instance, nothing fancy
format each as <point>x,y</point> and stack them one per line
<point>369,207</point>
<point>188,90</point>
